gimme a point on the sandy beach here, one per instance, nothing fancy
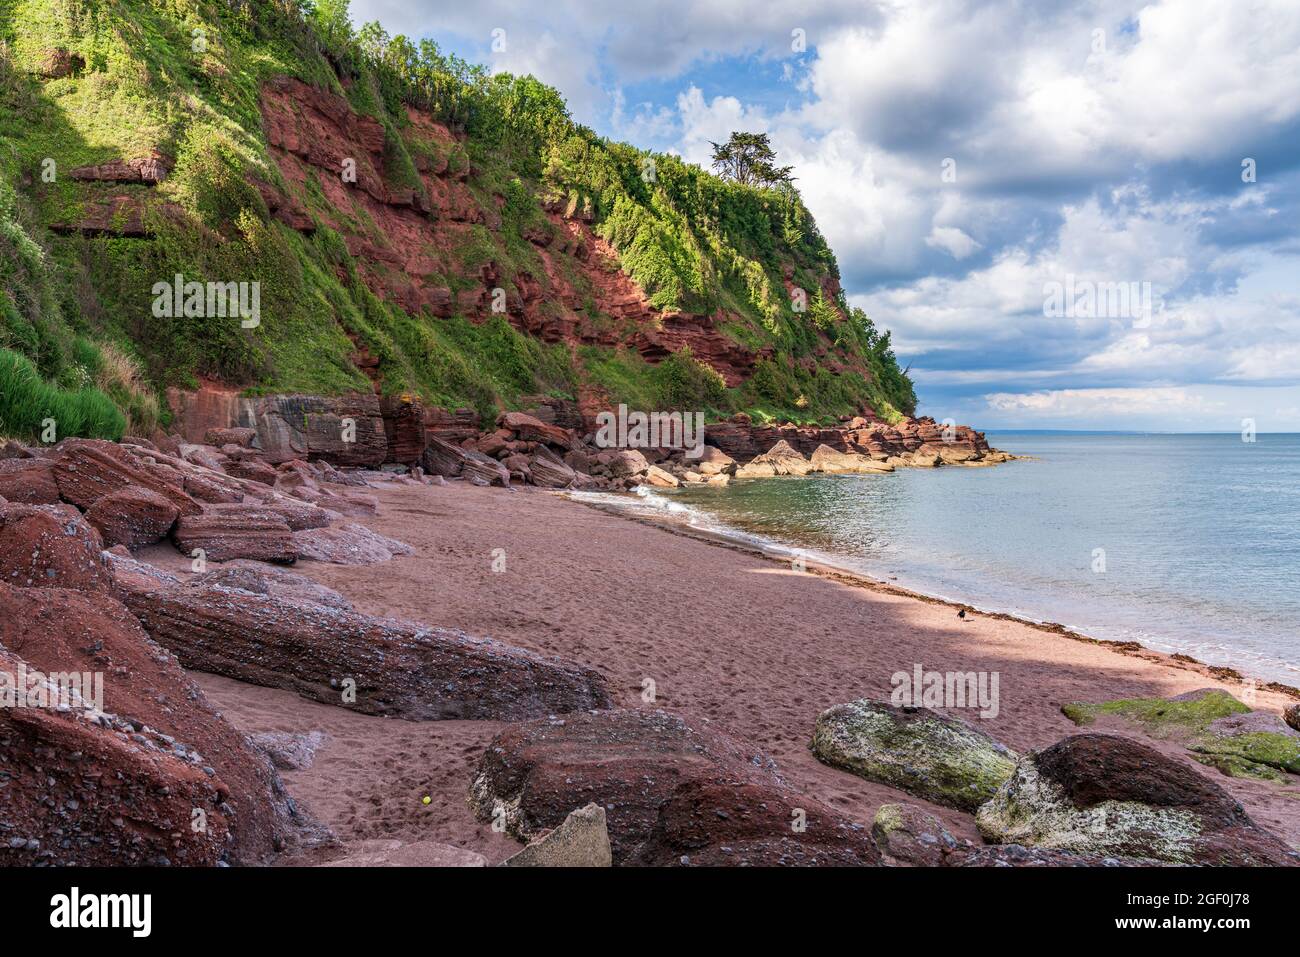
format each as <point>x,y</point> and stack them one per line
<point>726,634</point>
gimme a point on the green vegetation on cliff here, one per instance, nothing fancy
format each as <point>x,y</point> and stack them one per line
<point>92,82</point>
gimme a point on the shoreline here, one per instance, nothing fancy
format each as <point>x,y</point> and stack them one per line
<point>828,568</point>
<point>728,636</point>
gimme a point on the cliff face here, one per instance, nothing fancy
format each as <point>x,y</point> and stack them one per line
<point>413,227</point>
<point>405,241</point>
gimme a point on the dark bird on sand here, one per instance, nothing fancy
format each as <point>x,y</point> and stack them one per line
<point>961,613</point>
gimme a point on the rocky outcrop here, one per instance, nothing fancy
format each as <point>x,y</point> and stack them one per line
<point>922,752</point>
<point>125,787</point>
<point>782,459</point>
<point>86,470</point>
<point>90,789</point>
<point>150,169</point>
<point>828,460</point>
<point>744,441</point>
<point>581,841</point>
<point>443,458</point>
<point>674,792</point>
<point>132,517</point>
<point>404,424</point>
<point>371,665</point>
<point>50,546</point>
<point>342,430</point>
<point>1107,795</point>
<point>453,426</point>
<point>236,531</point>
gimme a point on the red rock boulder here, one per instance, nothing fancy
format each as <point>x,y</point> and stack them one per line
<point>90,790</point>
<point>29,481</point>
<point>224,532</point>
<point>88,469</point>
<point>132,517</point>
<point>674,792</point>
<point>58,632</point>
<point>50,546</point>
<point>371,665</point>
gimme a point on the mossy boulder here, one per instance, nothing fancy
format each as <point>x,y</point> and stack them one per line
<point>1101,794</point>
<point>922,752</point>
<point>1219,730</point>
<point>1257,744</point>
<point>1188,712</point>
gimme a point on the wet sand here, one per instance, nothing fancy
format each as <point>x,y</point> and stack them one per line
<point>727,634</point>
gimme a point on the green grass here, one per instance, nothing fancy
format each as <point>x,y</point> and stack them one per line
<point>32,408</point>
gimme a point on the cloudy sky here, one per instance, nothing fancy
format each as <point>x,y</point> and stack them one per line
<point>981,170</point>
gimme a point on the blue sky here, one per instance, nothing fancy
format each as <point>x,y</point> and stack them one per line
<point>965,160</point>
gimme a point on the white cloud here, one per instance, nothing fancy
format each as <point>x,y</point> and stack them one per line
<point>1110,166</point>
<point>952,241</point>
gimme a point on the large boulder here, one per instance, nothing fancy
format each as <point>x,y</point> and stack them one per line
<point>548,470</point>
<point>28,481</point>
<point>252,470</point>
<point>530,429</point>
<point>714,821</point>
<point>87,788</point>
<point>60,632</point>
<point>827,459</point>
<point>226,532</point>
<point>756,470</point>
<point>622,463</point>
<point>86,470</point>
<point>654,475</point>
<point>132,517</point>
<point>922,752</point>
<point>784,460</point>
<point>371,665</point>
<point>297,514</point>
<point>674,791</point>
<point>443,458</point>
<point>51,546</point>
<point>714,461</point>
<point>1108,795</point>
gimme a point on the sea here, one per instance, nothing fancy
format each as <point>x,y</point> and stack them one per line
<point>1184,543</point>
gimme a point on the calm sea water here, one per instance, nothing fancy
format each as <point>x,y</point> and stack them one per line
<point>1200,535</point>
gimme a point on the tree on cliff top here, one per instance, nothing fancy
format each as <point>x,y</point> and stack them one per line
<point>748,159</point>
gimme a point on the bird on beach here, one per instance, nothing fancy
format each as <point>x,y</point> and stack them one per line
<point>961,613</point>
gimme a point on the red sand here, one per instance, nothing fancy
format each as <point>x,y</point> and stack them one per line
<point>732,636</point>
